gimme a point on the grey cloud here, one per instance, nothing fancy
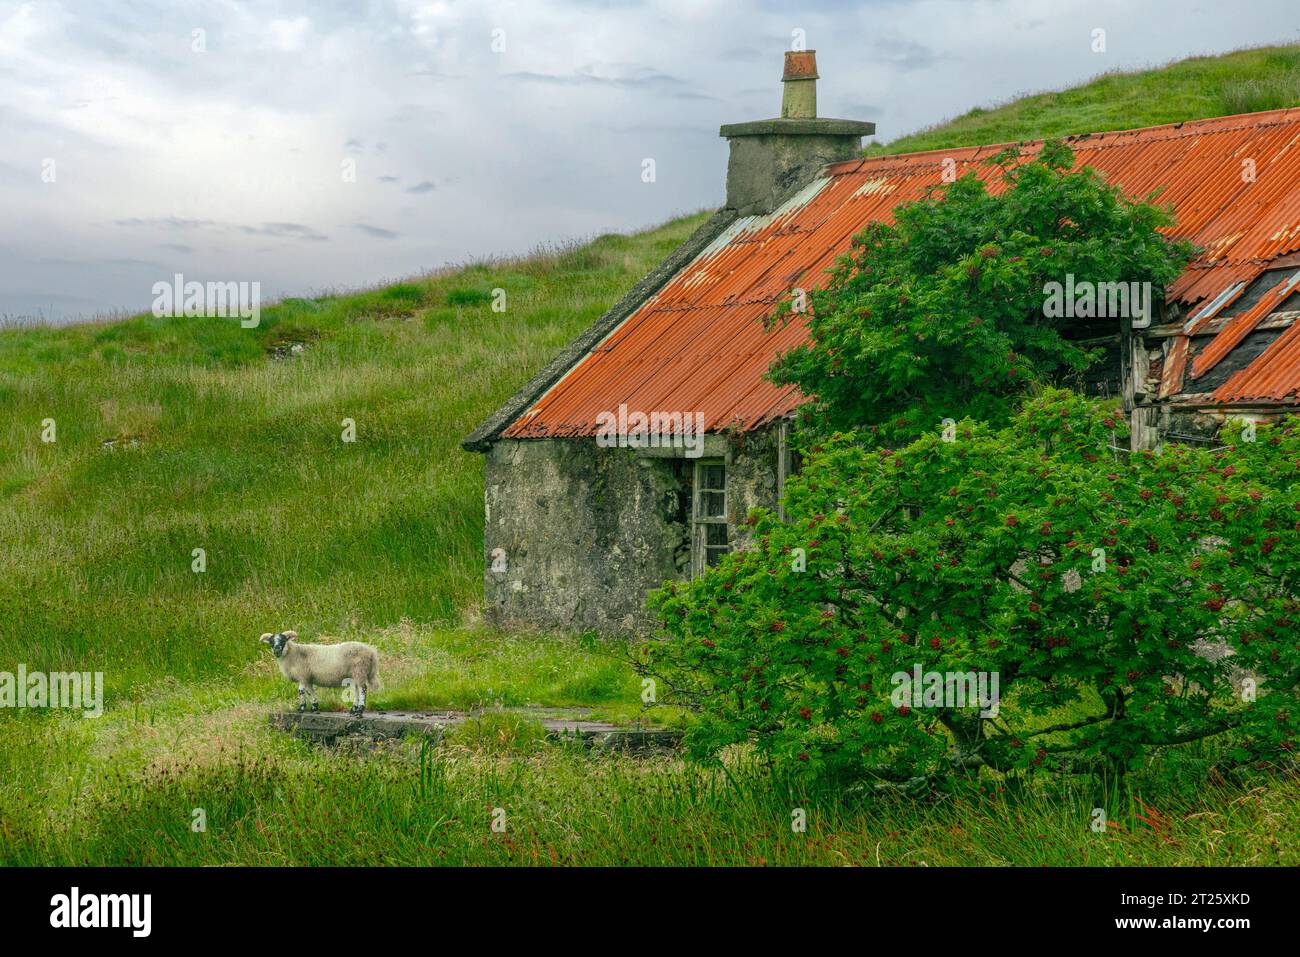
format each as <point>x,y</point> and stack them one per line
<point>284,231</point>
<point>640,79</point>
<point>554,79</point>
<point>175,223</point>
<point>422,187</point>
<point>168,222</point>
<point>375,231</point>
<point>109,263</point>
<point>859,110</point>
<point>637,78</point>
<point>907,55</point>
<point>741,54</point>
<point>674,129</point>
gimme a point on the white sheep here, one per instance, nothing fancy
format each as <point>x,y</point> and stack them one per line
<point>350,663</point>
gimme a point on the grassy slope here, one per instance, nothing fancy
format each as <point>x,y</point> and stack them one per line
<point>176,434</point>
<point>217,446</point>
<point>1246,81</point>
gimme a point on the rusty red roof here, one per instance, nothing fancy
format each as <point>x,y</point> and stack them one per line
<point>699,343</point>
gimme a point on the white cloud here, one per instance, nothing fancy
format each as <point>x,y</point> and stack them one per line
<point>289,35</point>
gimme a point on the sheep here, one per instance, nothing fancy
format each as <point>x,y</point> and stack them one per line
<point>349,664</point>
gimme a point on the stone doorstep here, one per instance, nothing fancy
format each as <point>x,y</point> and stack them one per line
<point>328,727</point>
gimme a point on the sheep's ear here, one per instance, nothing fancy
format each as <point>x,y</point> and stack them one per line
<point>266,638</point>
<point>291,635</point>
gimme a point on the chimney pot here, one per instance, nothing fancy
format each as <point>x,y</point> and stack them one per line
<point>800,65</point>
<point>799,94</point>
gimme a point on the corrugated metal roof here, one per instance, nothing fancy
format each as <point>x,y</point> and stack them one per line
<point>1230,336</point>
<point>699,344</point>
<point>1274,375</point>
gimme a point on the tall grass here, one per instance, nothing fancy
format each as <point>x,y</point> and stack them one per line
<point>544,805</point>
<point>173,435</point>
<point>1273,92</point>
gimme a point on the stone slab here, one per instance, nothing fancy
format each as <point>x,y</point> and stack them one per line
<point>560,724</point>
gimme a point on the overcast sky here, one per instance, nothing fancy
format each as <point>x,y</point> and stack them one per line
<point>212,138</point>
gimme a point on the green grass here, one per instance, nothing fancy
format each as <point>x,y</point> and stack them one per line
<point>267,799</point>
<point>1246,81</point>
<point>218,446</point>
<point>177,434</point>
<point>172,435</point>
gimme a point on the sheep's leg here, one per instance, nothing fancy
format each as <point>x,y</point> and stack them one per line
<point>311,690</point>
<point>302,699</point>
<point>359,702</point>
<point>359,688</point>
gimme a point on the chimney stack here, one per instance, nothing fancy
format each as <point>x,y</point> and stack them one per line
<point>769,158</point>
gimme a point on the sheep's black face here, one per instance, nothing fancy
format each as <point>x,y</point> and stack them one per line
<point>278,642</point>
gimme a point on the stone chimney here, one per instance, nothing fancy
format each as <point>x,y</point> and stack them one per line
<point>771,157</point>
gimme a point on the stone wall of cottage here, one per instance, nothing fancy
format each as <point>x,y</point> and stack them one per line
<point>576,535</point>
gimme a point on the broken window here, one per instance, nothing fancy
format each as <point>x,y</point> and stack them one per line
<point>710,514</point>
<point>679,504</point>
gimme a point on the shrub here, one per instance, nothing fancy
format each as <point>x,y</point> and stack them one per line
<point>1117,596</point>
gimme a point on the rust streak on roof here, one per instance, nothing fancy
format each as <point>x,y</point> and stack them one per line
<point>700,344</point>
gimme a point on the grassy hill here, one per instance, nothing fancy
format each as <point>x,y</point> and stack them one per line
<point>1246,81</point>
<point>179,434</point>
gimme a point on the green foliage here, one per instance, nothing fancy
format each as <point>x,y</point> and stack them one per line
<point>941,314</point>
<point>1116,596</point>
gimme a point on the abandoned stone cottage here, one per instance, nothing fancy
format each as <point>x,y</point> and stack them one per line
<point>635,456</point>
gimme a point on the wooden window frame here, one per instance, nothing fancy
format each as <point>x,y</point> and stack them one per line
<point>700,523</point>
<point>788,463</point>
